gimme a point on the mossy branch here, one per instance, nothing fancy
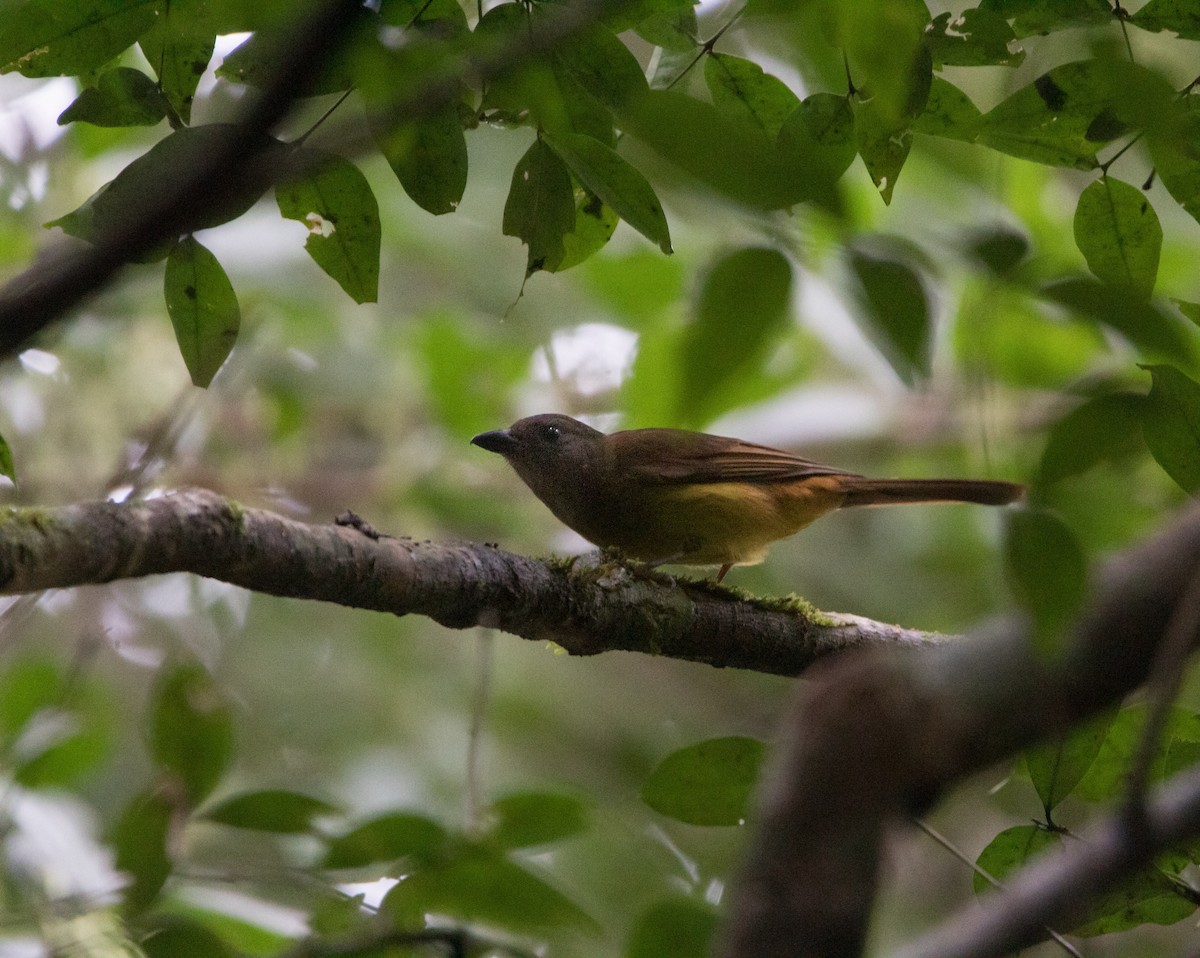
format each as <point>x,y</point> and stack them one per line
<point>585,608</point>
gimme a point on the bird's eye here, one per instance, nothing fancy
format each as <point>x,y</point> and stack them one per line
<point>550,433</point>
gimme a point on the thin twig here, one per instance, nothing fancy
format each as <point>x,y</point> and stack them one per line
<point>986,876</point>
<point>1166,675</point>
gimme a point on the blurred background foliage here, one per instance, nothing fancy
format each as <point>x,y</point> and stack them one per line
<point>919,337</point>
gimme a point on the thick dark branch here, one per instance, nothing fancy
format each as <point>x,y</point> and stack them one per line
<point>876,737</point>
<point>584,609</point>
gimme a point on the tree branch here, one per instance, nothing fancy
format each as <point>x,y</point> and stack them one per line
<point>66,274</point>
<point>874,738</point>
<point>585,609</point>
<point>1056,889</point>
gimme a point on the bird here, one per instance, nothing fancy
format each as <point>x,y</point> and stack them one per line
<point>672,496</point>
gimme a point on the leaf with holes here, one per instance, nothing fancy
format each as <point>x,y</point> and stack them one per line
<point>339,209</point>
<point>45,38</point>
<point>540,209</point>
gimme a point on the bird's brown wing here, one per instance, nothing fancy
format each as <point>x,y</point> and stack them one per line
<point>678,456</point>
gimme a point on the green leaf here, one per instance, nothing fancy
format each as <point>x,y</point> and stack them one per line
<point>1056,768</point>
<point>257,61</point>
<point>203,309</point>
<point>270,810</point>
<point>121,97</point>
<point>1171,425</point>
<point>627,16</point>
<point>1103,428</point>
<point>1064,116</point>
<point>675,927</point>
<point>1038,16</point>
<point>191,730</point>
<point>1118,233</point>
<point>526,92</point>
<point>582,111</point>
<point>1105,778</point>
<point>896,309</point>
<point>1144,324</point>
<point>135,194</point>
<point>882,145</point>
<point>1175,159</point>
<point>1181,17</point>
<point>429,158</point>
<point>1190,310</point>
<point>439,19</point>
<point>141,839</point>
<point>894,81</point>
<point>618,184</point>
<point>976,37</point>
<point>482,886</point>
<point>59,746</point>
<point>396,836</point>
<point>1046,570</point>
<point>44,38</point>
<point>526,819</point>
<point>817,141</point>
<point>595,223</point>
<point>603,66</point>
<point>178,47</point>
<point>889,61</point>
<point>1147,897</point>
<point>26,687</point>
<point>708,783</point>
<point>676,30</point>
<point>540,209</point>
<point>174,936</point>
<point>744,305</point>
<point>336,204</point>
<point>948,113</point>
<point>740,88</point>
<point>1011,849</point>
<point>8,468</point>
<point>998,248</point>
<point>733,157</point>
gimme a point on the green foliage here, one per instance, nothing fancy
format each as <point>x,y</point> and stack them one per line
<point>1148,897</point>
<point>203,308</point>
<point>688,124</point>
<point>526,819</point>
<point>1118,233</point>
<point>1047,570</point>
<point>191,731</point>
<point>708,783</point>
<point>337,205</point>
<point>1171,425</point>
<point>673,928</point>
<point>121,97</point>
<point>743,306</point>
<point>896,308</point>
<point>273,810</point>
<point>1055,769</point>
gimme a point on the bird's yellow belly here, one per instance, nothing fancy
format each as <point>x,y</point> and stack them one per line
<point>723,523</point>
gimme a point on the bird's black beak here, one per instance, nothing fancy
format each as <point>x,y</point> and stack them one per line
<point>499,441</point>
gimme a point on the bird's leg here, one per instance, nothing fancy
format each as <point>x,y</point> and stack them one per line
<point>725,568</point>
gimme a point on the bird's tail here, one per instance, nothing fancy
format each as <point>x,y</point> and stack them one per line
<point>884,492</point>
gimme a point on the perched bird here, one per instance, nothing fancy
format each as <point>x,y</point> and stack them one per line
<point>672,496</point>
